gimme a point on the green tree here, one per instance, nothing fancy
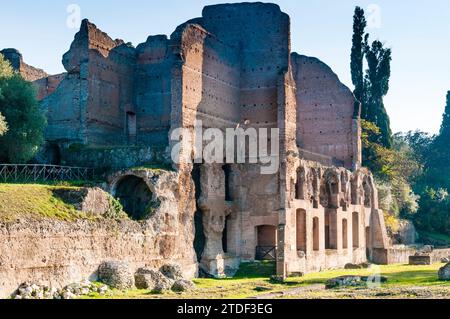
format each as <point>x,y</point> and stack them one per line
<point>377,86</point>
<point>26,121</point>
<point>444,133</point>
<point>6,71</point>
<point>438,157</point>
<point>372,85</point>
<point>393,169</point>
<point>432,152</point>
<point>357,57</point>
<point>434,212</point>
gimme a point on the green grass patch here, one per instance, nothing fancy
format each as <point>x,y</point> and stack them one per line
<point>247,283</point>
<point>263,269</point>
<point>398,274</point>
<point>78,183</point>
<point>35,201</point>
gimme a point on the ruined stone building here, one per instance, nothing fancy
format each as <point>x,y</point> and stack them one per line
<point>116,106</point>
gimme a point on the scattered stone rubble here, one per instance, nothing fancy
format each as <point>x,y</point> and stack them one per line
<point>351,281</point>
<point>169,277</point>
<point>114,275</point>
<point>34,291</point>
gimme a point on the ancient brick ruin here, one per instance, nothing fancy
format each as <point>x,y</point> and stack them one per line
<point>231,67</point>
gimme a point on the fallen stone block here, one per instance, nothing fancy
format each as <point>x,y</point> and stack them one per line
<point>172,271</point>
<point>116,275</point>
<point>146,278</point>
<point>183,286</point>
<point>422,260</point>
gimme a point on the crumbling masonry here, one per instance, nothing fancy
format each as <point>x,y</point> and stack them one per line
<point>231,67</point>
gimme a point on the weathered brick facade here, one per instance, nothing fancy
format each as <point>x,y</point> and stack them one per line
<point>232,67</point>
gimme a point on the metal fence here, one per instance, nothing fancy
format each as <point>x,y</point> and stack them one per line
<point>266,253</point>
<point>13,173</point>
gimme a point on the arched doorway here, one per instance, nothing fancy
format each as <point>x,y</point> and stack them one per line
<point>316,234</point>
<point>301,230</point>
<point>53,154</point>
<point>355,225</point>
<point>135,196</point>
<point>344,233</point>
<point>266,242</point>
<point>131,127</point>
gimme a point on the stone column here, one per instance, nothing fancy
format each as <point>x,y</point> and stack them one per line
<point>281,252</point>
<point>215,209</point>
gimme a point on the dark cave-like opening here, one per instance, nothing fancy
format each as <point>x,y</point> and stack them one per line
<point>135,196</point>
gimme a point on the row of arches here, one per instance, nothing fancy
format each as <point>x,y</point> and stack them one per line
<point>328,232</point>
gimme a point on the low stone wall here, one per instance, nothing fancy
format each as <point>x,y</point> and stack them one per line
<point>60,253</point>
<point>401,255</point>
<point>438,254</point>
<point>111,159</point>
<point>393,255</point>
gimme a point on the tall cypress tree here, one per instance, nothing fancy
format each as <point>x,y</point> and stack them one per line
<point>441,149</point>
<point>445,126</point>
<point>377,86</point>
<point>357,57</point>
<point>438,157</point>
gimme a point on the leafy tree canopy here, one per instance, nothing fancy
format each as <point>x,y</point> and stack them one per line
<point>25,120</point>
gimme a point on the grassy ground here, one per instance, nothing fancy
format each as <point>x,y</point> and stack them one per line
<point>442,238</point>
<point>404,282</point>
<point>36,202</point>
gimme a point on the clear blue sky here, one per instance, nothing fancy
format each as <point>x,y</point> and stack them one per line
<point>418,31</point>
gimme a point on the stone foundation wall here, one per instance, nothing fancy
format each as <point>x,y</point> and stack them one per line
<point>394,255</point>
<point>59,253</point>
<point>438,254</point>
<point>401,254</point>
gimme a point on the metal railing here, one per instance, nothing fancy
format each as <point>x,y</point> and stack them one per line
<point>25,173</point>
<point>266,253</point>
